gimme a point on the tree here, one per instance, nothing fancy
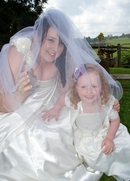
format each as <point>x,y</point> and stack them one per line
<point>125,58</point>
<point>17,14</point>
<point>100,38</point>
<point>101,52</point>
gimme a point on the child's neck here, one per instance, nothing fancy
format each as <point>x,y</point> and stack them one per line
<point>91,108</point>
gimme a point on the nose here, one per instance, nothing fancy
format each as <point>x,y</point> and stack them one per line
<point>55,46</point>
<point>89,89</point>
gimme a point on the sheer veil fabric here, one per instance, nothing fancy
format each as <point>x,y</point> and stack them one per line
<point>78,51</point>
<point>31,148</point>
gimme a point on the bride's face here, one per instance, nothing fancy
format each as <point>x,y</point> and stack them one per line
<point>51,47</point>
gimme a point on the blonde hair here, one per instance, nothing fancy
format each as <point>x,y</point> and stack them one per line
<point>105,89</point>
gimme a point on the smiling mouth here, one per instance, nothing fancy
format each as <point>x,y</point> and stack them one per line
<point>89,97</point>
<point>52,54</point>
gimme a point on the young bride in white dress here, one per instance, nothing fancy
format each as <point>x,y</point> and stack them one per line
<point>35,69</point>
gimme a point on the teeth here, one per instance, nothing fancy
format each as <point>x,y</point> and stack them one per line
<point>52,54</point>
<point>89,96</point>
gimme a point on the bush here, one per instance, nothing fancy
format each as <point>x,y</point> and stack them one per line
<point>125,58</point>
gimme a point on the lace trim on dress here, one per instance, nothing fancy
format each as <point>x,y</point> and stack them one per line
<point>23,45</point>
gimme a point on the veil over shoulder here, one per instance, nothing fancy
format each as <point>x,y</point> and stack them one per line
<point>30,148</point>
<point>28,41</point>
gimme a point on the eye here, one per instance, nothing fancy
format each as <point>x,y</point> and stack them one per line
<point>94,86</point>
<point>61,43</point>
<point>50,40</point>
<point>83,87</point>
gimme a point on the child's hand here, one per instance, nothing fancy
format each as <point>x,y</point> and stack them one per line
<point>49,114</point>
<point>108,146</point>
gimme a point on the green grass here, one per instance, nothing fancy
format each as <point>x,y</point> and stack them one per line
<point>119,70</point>
<point>125,106</point>
<point>106,178</point>
<point>116,41</point>
<point>125,100</point>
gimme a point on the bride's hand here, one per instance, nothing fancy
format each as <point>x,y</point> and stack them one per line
<point>116,106</point>
<point>23,83</point>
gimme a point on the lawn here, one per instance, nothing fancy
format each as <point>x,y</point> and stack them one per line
<point>114,41</point>
<point>119,70</point>
<point>125,105</point>
<point>123,41</point>
<point>125,100</point>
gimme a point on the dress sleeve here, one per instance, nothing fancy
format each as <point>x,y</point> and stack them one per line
<point>23,45</point>
<point>113,114</point>
<point>67,101</point>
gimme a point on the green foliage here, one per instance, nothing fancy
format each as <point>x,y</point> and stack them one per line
<point>106,178</point>
<point>125,58</point>
<point>15,15</point>
<point>125,104</point>
<point>100,37</point>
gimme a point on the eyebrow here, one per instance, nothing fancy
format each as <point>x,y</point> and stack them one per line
<point>51,37</point>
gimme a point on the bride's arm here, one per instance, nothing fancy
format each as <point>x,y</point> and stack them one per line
<point>15,61</point>
<point>22,80</point>
<point>116,106</point>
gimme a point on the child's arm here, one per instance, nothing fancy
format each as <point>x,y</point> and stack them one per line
<point>108,144</point>
<point>54,112</point>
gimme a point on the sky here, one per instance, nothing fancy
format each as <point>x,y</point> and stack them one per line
<point>111,17</point>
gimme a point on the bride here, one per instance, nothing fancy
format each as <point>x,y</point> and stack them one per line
<point>35,69</point>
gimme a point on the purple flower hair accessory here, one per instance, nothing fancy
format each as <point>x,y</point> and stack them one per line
<point>79,71</point>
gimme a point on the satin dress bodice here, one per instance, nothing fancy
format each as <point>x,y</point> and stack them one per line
<point>89,132</point>
<point>32,148</point>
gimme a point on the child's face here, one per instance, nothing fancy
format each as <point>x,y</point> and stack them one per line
<point>89,87</point>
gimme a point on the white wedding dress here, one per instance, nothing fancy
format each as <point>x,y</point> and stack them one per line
<point>88,136</point>
<point>32,149</point>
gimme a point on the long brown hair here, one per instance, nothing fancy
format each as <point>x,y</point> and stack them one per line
<point>60,62</point>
